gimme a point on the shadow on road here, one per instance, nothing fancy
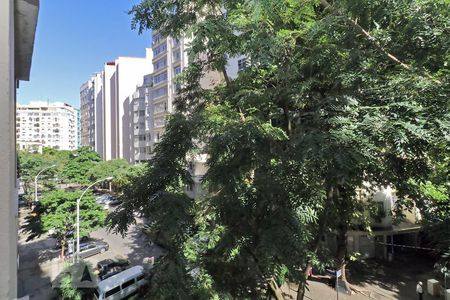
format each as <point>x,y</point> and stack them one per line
<point>36,264</point>
<point>398,278</point>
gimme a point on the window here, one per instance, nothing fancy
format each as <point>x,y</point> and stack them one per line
<point>141,138</point>
<point>140,277</point>
<point>177,70</point>
<point>162,91</point>
<point>142,113</point>
<point>127,283</point>
<point>160,49</point>
<point>160,64</point>
<point>176,55</point>
<point>147,79</point>
<point>380,212</point>
<point>242,64</point>
<point>176,42</point>
<point>161,107</point>
<point>112,292</point>
<point>159,122</point>
<point>157,38</point>
<point>160,78</point>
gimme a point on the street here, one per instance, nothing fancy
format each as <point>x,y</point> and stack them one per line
<point>40,264</point>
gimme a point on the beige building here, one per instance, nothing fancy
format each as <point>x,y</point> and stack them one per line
<point>18,19</point>
<point>142,121</point>
<point>388,238</point>
<point>42,124</point>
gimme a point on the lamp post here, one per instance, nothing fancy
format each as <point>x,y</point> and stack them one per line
<point>36,181</point>
<point>78,212</point>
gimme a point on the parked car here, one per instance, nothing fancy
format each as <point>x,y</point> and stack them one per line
<point>115,202</point>
<point>107,267</point>
<point>121,285</point>
<point>83,239</point>
<point>90,248</point>
<point>103,199</point>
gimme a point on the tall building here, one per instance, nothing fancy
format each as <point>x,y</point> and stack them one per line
<point>87,114</point>
<point>18,19</point>
<point>169,59</point>
<point>142,121</point>
<point>44,124</point>
<point>91,113</point>
<point>153,100</point>
<point>107,108</point>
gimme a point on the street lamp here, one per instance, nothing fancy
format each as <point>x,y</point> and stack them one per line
<point>36,180</point>
<point>78,212</point>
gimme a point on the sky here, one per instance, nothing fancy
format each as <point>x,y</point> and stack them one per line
<point>74,38</point>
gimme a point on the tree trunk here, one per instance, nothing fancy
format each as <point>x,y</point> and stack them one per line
<point>302,284</point>
<point>342,258</point>
<point>63,247</point>
<point>315,245</point>
<point>276,289</point>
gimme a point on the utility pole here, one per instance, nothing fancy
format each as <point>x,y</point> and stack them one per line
<point>36,181</point>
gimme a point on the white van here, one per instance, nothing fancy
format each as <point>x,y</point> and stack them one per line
<point>121,285</point>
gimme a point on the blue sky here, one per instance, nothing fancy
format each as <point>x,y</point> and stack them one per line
<point>74,39</point>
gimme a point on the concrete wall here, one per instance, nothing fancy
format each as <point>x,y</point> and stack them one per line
<point>8,196</point>
<point>109,111</point>
<point>98,112</point>
<point>129,74</point>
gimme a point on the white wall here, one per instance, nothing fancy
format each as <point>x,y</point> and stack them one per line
<point>109,113</point>
<point>98,113</point>
<point>129,74</point>
<point>8,195</point>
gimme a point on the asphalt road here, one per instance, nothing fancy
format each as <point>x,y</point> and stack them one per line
<point>39,263</point>
<point>134,246</point>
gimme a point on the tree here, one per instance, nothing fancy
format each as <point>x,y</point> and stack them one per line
<point>336,94</point>
<point>117,168</point>
<point>29,165</point>
<point>56,212</point>
<point>77,168</point>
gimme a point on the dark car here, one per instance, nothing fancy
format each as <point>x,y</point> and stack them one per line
<point>91,248</point>
<point>109,267</point>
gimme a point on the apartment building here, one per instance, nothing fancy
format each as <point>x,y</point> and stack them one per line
<point>87,114</point>
<point>385,230</point>
<point>142,121</point>
<point>106,101</point>
<point>18,20</point>
<point>91,113</point>
<point>169,60</point>
<point>44,124</point>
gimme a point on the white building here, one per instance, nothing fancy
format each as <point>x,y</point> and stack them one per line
<point>18,19</point>
<point>91,113</point>
<point>44,124</point>
<point>107,108</point>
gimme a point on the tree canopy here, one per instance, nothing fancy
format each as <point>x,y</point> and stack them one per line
<point>56,212</point>
<point>335,94</point>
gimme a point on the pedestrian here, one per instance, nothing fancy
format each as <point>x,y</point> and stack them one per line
<point>419,289</point>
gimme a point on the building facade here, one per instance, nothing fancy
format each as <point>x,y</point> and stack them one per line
<point>91,113</point>
<point>106,102</point>
<point>18,20</point>
<point>43,124</point>
<point>142,121</point>
<point>87,114</point>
